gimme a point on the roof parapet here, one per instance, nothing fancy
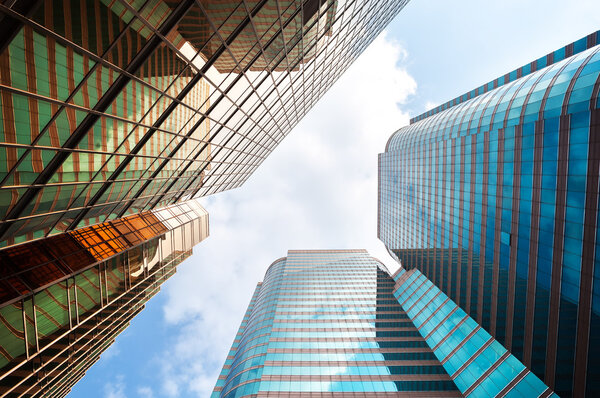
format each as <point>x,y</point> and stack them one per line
<point>567,51</point>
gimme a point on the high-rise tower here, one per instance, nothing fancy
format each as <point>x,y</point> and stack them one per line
<point>113,114</point>
<point>114,107</point>
<point>337,322</point>
<point>65,298</point>
<point>494,197</point>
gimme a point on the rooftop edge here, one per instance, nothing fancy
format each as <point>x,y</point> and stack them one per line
<point>567,51</point>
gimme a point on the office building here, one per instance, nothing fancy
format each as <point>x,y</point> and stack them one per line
<point>110,108</point>
<point>493,196</point>
<point>477,363</point>
<point>67,297</point>
<point>336,323</point>
<point>113,114</point>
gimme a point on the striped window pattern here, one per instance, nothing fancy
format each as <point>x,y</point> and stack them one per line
<point>354,341</point>
<point>478,364</point>
<point>495,200</point>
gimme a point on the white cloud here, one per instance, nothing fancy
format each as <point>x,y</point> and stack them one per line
<point>317,190</point>
<point>429,105</point>
<point>115,389</point>
<point>170,385</point>
<point>112,351</point>
<point>145,392</point>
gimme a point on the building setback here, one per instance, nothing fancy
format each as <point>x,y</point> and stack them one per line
<point>114,112</point>
<point>328,322</point>
<point>476,362</point>
<point>493,196</point>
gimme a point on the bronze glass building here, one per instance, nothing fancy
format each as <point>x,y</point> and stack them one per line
<point>112,107</point>
<point>65,298</point>
<point>116,115</point>
<point>494,197</point>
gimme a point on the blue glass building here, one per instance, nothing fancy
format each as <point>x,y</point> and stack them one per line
<point>493,196</point>
<point>337,322</point>
<point>476,362</point>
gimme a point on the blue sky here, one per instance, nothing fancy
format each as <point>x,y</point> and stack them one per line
<point>318,188</point>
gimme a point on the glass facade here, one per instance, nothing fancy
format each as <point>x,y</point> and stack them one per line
<point>326,323</point>
<point>476,362</point>
<point>115,116</point>
<point>494,198</point>
<point>65,299</point>
<point>111,108</point>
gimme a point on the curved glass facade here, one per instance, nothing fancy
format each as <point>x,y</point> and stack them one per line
<point>326,321</point>
<point>496,201</point>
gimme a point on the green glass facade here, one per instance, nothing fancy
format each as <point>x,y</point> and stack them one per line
<point>114,107</point>
<point>493,196</point>
<point>57,71</point>
<point>66,298</point>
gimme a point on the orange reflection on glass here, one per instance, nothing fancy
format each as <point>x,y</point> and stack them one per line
<point>112,237</point>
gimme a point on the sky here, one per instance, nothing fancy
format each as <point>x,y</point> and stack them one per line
<point>318,189</point>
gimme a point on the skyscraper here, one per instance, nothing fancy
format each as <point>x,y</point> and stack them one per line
<point>337,322</point>
<point>110,108</point>
<point>68,296</point>
<point>493,196</point>
<point>115,113</point>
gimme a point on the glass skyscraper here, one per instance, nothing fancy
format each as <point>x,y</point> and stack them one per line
<point>493,196</point>
<point>66,298</point>
<point>110,108</point>
<point>116,115</point>
<point>336,323</point>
